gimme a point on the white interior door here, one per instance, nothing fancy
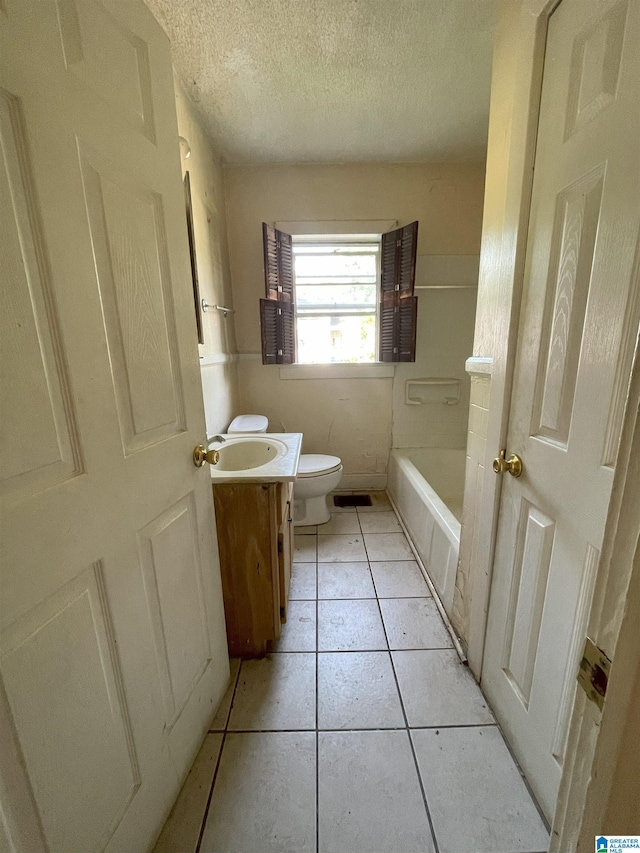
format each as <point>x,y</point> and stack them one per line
<point>112,641</point>
<point>579,319</point>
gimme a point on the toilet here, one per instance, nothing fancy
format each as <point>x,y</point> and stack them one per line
<point>318,475</point>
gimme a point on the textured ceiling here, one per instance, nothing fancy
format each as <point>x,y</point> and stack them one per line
<point>298,81</point>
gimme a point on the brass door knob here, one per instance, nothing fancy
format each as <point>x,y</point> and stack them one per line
<point>202,455</point>
<point>512,464</point>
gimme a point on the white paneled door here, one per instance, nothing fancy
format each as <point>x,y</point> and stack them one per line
<point>112,641</point>
<point>579,321</point>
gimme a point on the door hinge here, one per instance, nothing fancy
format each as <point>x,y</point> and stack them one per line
<point>593,674</point>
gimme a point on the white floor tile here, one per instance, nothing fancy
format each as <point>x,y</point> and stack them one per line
<point>299,631</point>
<point>399,579</point>
<point>345,580</point>
<point>350,626</point>
<point>264,797</point>
<point>388,546</point>
<point>438,689</point>
<point>219,722</point>
<point>369,795</point>
<point>414,623</point>
<point>476,795</point>
<point>182,829</point>
<point>305,548</point>
<point>357,690</point>
<point>334,548</point>
<point>380,522</point>
<point>379,503</point>
<point>306,530</point>
<point>276,692</point>
<point>341,522</point>
<point>303,582</point>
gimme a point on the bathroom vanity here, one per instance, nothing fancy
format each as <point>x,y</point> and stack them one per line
<point>254,521</point>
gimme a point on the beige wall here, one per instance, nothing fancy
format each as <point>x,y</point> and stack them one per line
<point>354,418</point>
<point>349,418</point>
<point>218,353</point>
<point>444,342</point>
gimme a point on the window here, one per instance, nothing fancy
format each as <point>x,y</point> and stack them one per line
<point>336,294</point>
<point>339,299</point>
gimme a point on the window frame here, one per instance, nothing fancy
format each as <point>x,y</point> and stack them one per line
<point>398,306</point>
<point>340,310</point>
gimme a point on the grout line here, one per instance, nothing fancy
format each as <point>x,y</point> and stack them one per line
<point>443,613</point>
<point>215,772</point>
<point>406,723</point>
<point>213,782</point>
<point>362,729</point>
<point>364,597</point>
<point>233,693</point>
<point>521,772</point>
<point>358,651</point>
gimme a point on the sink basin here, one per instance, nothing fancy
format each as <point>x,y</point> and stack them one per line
<point>263,458</point>
<point>244,454</point>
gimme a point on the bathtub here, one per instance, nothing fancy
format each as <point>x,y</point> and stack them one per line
<point>427,486</point>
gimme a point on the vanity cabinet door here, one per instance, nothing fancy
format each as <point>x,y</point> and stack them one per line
<point>247,524</point>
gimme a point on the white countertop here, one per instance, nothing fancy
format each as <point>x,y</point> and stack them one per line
<point>283,468</point>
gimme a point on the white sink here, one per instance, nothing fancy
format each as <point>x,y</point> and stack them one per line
<point>242,454</point>
<point>257,458</point>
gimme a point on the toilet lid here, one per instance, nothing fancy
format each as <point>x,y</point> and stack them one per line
<point>313,464</point>
<point>248,423</point>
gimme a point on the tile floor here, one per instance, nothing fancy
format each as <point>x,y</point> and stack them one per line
<point>362,732</point>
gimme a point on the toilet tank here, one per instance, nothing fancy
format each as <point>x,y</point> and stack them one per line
<point>248,424</point>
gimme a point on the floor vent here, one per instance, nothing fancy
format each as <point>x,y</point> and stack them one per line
<point>352,500</point>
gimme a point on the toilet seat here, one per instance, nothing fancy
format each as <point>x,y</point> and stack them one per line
<point>317,464</point>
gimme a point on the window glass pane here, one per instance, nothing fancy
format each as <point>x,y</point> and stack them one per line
<point>337,338</point>
<point>316,268</point>
<point>308,295</point>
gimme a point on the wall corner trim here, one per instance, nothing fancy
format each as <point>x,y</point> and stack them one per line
<point>479,365</point>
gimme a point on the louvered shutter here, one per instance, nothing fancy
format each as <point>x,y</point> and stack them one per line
<point>277,313</point>
<point>278,263</point>
<point>407,317</point>
<point>398,265</point>
<point>398,305</point>
<point>278,340</point>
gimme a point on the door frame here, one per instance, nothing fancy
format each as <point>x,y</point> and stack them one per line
<point>595,739</point>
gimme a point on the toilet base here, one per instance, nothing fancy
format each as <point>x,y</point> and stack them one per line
<point>311,511</point>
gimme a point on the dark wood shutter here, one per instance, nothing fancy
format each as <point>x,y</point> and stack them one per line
<point>277,311</point>
<point>278,339</point>
<point>278,264</point>
<point>398,266</point>
<point>398,305</point>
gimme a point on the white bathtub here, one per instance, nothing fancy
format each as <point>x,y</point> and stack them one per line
<point>427,486</point>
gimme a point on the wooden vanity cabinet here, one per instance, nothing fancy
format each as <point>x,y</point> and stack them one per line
<point>255,538</point>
